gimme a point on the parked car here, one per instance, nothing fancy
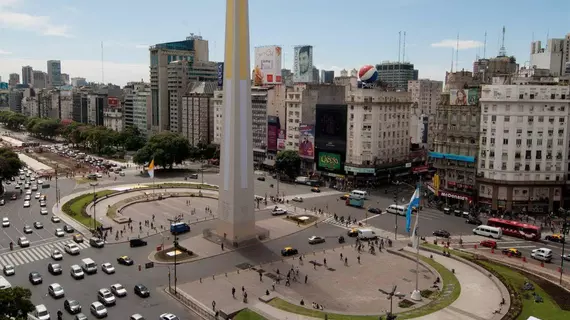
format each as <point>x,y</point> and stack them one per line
<point>55,268</point>
<point>278,211</point>
<point>555,238</point>
<point>56,291</point>
<point>441,233</point>
<point>72,306</point>
<point>297,199</point>
<point>473,220</point>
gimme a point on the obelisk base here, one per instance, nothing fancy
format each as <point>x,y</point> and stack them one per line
<point>236,236</point>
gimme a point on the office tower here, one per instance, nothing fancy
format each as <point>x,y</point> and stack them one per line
<point>27,75</point>
<point>54,73</point>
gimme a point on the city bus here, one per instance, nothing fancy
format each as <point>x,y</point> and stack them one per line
<point>516,229</point>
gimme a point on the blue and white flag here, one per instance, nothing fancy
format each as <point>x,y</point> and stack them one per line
<point>415,235</point>
<point>414,202</point>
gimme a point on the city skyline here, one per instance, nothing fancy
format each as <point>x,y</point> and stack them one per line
<point>35,32</point>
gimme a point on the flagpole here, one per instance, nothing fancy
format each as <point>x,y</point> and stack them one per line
<point>416,294</point>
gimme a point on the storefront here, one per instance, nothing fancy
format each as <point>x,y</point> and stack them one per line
<point>519,198</point>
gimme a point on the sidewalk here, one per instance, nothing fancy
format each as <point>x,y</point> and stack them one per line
<point>33,163</point>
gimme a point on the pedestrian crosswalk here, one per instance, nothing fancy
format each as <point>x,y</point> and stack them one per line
<point>381,233</point>
<point>34,253</point>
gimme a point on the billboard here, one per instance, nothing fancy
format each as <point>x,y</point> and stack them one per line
<point>329,161</point>
<point>220,74</point>
<point>330,127</point>
<point>272,133</point>
<point>307,141</point>
<point>464,97</point>
<point>267,68</point>
<point>4,100</point>
<point>112,102</point>
<point>281,139</point>
<point>303,64</point>
<point>4,85</point>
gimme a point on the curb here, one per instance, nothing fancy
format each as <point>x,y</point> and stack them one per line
<point>226,252</point>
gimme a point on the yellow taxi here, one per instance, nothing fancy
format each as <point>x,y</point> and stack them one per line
<point>289,251</point>
<point>555,238</point>
<point>78,238</point>
<point>345,196</point>
<point>315,189</point>
<point>512,252</point>
<point>352,232</point>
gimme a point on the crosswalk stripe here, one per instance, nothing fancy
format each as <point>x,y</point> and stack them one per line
<point>39,251</point>
<point>3,262</point>
<point>27,256</point>
<point>59,246</point>
<point>10,261</point>
<point>16,259</point>
<point>22,257</point>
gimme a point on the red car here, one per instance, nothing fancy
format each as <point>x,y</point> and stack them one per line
<point>489,244</point>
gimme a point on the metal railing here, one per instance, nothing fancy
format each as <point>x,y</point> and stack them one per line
<point>198,308</point>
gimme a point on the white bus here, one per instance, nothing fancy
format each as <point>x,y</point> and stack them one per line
<point>396,209</point>
<point>488,231</point>
<point>359,194</point>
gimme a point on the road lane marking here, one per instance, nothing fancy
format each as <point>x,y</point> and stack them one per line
<point>3,262</point>
<point>27,256</point>
<point>11,261</point>
<point>366,219</point>
<point>16,258</point>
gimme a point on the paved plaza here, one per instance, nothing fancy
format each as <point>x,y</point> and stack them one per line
<point>338,287</point>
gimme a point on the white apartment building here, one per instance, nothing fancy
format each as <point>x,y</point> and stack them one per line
<point>177,87</point>
<point>378,129</point>
<point>113,118</point>
<point>141,100</point>
<point>550,57</point>
<point>425,94</point>
<point>30,104</point>
<point>63,99</point>
<point>524,146</point>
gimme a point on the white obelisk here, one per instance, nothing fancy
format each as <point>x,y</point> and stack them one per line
<point>236,202</point>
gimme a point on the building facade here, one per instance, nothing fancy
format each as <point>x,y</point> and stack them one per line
<point>40,79</point>
<point>396,74</point>
<point>142,107</point>
<point>193,49</point>
<point>524,153</point>
<point>177,86</point>
<point>78,82</point>
<point>551,57</point>
<point>27,75</point>
<point>197,116</point>
<point>54,73</point>
<point>425,95</point>
<point>327,76</point>
<point>13,80</point>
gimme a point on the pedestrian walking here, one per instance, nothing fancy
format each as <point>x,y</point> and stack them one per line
<point>234,292</point>
<point>306,279</point>
<point>325,261</point>
<point>273,285</point>
<point>346,261</point>
<point>358,258</point>
<point>341,256</point>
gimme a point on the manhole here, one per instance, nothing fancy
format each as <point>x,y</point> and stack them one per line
<point>244,266</point>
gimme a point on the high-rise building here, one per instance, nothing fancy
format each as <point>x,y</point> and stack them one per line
<point>397,74</point>
<point>142,108</point>
<point>65,81</point>
<point>197,113</point>
<point>425,94</point>
<point>287,76</point>
<point>13,79</point>
<point>97,104</point>
<point>193,49</point>
<point>456,137</point>
<point>524,156</point>
<point>78,82</point>
<point>40,79</point>
<point>27,75</point>
<point>327,76</point>
<point>551,57</point>
<point>316,75</point>
<point>54,73</point>
<point>15,100</point>
<point>177,86</point>
<point>80,111</point>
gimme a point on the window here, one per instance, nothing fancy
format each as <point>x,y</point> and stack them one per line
<point>538,155</point>
<point>528,155</point>
<point>505,141</point>
<point>493,118</point>
<point>551,120</point>
<point>518,142</point>
<point>560,142</point>
<point>482,164</point>
<point>561,119</point>
<point>491,165</point>
<point>541,119</point>
<point>517,155</point>
<point>529,142</point>
<point>538,142</point>
<point>519,131</point>
<point>484,140</point>
<point>492,141</point>
<point>504,166</point>
<point>507,118</point>
<point>491,154</point>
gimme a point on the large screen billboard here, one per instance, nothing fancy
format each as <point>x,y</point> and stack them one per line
<point>272,134</point>
<point>330,127</point>
<point>267,68</point>
<point>303,64</point>
<point>464,97</point>
<point>307,141</point>
<point>329,161</point>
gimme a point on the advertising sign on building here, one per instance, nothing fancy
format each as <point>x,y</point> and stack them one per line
<point>220,74</point>
<point>330,127</point>
<point>329,161</point>
<point>281,139</point>
<point>113,102</point>
<point>3,85</point>
<point>463,97</point>
<point>303,64</point>
<point>272,133</point>
<point>307,141</point>
<point>473,97</point>
<point>267,68</point>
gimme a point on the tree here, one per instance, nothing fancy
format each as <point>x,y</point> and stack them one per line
<point>165,148</point>
<point>15,303</point>
<point>288,162</point>
<point>12,120</point>
<point>10,165</point>
<point>43,127</point>
<point>131,139</point>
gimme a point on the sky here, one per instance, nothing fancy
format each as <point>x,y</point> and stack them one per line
<point>344,34</point>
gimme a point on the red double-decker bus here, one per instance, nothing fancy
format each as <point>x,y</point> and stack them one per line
<point>516,229</point>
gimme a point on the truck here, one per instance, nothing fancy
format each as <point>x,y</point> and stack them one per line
<point>179,227</point>
<point>354,202</point>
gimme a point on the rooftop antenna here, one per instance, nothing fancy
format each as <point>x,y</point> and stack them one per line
<point>404,49</point>
<point>503,51</point>
<point>457,52</point>
<point>102,65</point>
<point>485,46</point>
<point>399,45</point>
<point>547,35</point>
<point>452,56</point>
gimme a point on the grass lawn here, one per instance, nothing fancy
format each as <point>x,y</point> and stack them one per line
<point>74,208</point>
<point>545,310</point>
<point>437,304</point>
<point>184,184</point>
<point>247,314</point>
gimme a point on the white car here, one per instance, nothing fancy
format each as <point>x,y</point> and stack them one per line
<point>28,193</point>
<point>27,186</point>
<point>279,211</point>
<point>40,181</point>
<point>34,187</point>
<point>316,239</point>
<point>17,187</point>
<point>297,199</point>
<point>33,179</point>
<point>43,211</point>
<point>136,316</point>
<point>59,232</point>
<point>118,290</point>
<point>27,197</point>
<point>76,272</point>
<point>5,222</point>
<point>37,196</point>
<point>56,291</point>
<point>56,255</point>
<point>71,248</point>
<point>98,309</point>
<point>42,204</point>
<point>168,316</point>
<point>55,219</point>
<point>23,242</point>
<point>9,270</point>
<point>106,297</point>
<point>108,269</point>
<point>26,204</point>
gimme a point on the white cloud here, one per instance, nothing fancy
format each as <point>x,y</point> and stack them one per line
<point>117,73</point>
<point>5,52</point>
<point>28,22</point>
<point>461,44</point>
<point>8,3</point>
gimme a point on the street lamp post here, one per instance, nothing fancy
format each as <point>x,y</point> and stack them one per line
<point>564,230</point>
<point>175,243</point>
<point>396,217</point>
<point>56,188</point>
<point>94,184</point>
